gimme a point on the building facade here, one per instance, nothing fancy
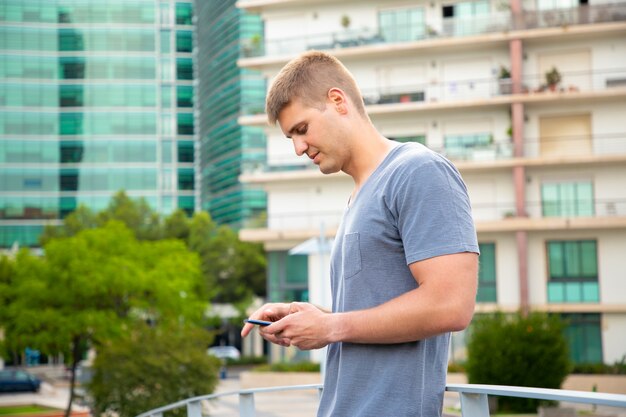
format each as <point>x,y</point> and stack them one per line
<point>226,148</point>
<point>95,97</point>
<point>526,97</point>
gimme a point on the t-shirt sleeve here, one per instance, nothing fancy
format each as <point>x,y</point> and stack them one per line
<point>433,212</point>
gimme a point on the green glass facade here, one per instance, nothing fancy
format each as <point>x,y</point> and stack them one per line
<point>224,90</point>
<point>95,97</point>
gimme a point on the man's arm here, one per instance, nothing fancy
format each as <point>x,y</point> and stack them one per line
<point>443,302</point>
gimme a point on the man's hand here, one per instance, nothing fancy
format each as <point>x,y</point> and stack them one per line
<point>306,327</point>
<point>270,312</point>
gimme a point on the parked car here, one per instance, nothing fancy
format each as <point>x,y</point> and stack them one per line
<point>224,352</point>
<point>18,380</point>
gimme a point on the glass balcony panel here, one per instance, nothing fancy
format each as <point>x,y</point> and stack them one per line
<point>590,292</point>
<point>573,292</point>
<point>556,292</point>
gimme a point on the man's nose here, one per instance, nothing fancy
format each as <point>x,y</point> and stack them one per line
<point>299,146</point>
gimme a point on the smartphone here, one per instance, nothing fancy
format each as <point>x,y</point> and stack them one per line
<point>259,322</point>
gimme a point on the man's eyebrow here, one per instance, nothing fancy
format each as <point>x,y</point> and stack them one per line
<point>293,129</point>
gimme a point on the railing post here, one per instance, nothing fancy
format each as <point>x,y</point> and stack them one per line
<point>474,405</point>
<point>246,404</point>
<point>194,409</point>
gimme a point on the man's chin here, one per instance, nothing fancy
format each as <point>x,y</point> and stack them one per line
<point>328,169</point>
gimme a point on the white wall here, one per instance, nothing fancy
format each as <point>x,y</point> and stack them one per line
<point>613,340</point>
<point>305,204</point>
<point>491,194</point>
<point>607,58</point>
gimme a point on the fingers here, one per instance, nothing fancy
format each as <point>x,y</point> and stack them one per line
<point>269,312</point>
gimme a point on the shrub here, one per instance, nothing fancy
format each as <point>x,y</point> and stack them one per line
<point>528,351</point>
<point>152,367</point>
<point>618,368</point>
<point>288,367</point>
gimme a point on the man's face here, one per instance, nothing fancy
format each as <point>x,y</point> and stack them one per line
<point>316,133</point>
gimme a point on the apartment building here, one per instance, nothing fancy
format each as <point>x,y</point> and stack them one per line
<point>95,96</point>
<point>527,98</point>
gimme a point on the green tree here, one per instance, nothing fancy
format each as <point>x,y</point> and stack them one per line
<point>152,367</point>
<point>80,219</point>
<point>136,214</point>
<point>91,288</point>
<point>527,351</point>
<point>7,273</point>
<point>235,270</point>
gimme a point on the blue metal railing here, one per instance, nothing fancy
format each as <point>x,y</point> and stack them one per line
<point>474,397</point>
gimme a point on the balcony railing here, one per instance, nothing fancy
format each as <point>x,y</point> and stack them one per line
<point>482,88</point>
<point>447,28</point>
<point>561,147</point>
<point>474,398</point>
<point>481,211</point>
<point>587,208</point>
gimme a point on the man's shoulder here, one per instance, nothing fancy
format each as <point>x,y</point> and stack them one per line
<point>411,157</point>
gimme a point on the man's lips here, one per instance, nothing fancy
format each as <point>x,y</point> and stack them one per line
<point>314,157</point>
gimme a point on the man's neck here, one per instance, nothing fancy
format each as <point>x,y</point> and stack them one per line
<point>369,155</point>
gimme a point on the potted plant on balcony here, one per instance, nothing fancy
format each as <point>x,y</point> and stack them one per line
<point>345,21</point>
<point>504,80</point>
<point>553,78</point>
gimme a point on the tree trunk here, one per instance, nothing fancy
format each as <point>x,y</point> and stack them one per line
<point>73,366</point>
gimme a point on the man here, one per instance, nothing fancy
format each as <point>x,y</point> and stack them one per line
<point>405,258</point>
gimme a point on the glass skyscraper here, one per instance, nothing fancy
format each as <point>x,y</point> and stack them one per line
<point>95,96</point>
<point>224,89</point>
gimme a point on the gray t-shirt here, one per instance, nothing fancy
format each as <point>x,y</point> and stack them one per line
<point>414,206</point>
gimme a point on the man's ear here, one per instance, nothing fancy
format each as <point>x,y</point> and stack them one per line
<point>338,99</point>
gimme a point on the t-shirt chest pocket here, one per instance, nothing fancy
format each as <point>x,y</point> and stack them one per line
<point>351,251</point>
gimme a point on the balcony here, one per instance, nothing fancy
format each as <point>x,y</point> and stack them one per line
<point>553,215</point>
<point>474,398</point>
<point>479,92</point>
<point>438,33</point>
<point>563,151</point>
<point>489,216</point>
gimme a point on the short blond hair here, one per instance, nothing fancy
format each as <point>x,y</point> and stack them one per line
<point>308,78</point>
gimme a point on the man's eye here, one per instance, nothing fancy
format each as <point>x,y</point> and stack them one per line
<point>302,130</point>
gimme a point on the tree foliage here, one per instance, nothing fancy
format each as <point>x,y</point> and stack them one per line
<point>152,367</point>
<point>91,288</point>
<point>233,271</point>
<point>528,351</point>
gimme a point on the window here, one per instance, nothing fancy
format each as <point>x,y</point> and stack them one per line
<point>487,274</point>
<point>185,179</point>
<point>185,123</point>
<point>288,276</point>
<point>184,41</point>
<point>184,13</point>
<point>568,199</point>
<point>461,146</point>
<point>573,271</point>
<point>412,138</point>
<point>185,151</point>
<point>465,18</point>
<point>584,336</point>
<point>184,96</point>
<point>401,25</point>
